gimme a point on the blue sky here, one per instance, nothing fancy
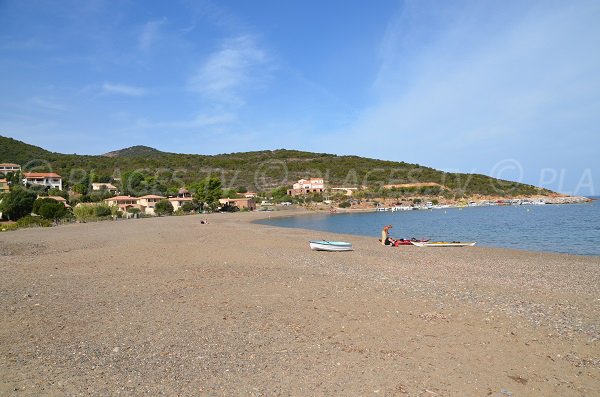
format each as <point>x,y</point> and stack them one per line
<point>504,88</point>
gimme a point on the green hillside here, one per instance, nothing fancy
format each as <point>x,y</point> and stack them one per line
<point>261,170</point>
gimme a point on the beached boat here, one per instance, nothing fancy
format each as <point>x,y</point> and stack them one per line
<point>408,242</point>
<point>322,245</point>
<point>443,244</point>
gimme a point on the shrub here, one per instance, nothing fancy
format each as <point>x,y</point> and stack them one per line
<point>17,203</point>
<point>344,204</point>
<point>55,210</point>
<point>188,207</point>
<point>163,207</point>
<point>102,210</point>
<point>33,221</point>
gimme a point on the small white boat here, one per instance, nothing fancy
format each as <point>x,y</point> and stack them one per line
<point>322,245</point>
<point>443,244</point>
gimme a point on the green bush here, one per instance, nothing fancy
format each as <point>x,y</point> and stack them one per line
<point>102,211</point>
<point>344,204</point>
<point>163,207</point>
<point>55,210</point>
<point>17,204</point>
<point>33,221</point>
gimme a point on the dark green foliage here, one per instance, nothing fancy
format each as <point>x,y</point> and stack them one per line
<point>148,171</point>
<point>163,207</point>
<point>344,204</point>
<point>102,210</point>
<point>52,210</point>
<point>280,193</point>
<point>17,203</point>
<point>188,207</point>
<point>208,191</point>
<point>38,203</point>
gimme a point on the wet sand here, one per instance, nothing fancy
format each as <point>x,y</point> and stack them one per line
<point>168,306</point>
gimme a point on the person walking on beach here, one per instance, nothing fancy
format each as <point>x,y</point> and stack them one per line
<point>385,234</point>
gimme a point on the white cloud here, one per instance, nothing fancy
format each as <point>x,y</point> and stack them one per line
<point>476,86</point>
<point>235,67</point>
<point>122,89</point>
<point>149,34</point>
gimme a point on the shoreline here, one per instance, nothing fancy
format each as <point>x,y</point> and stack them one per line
<point>305,212</point>
<point>170,306</point>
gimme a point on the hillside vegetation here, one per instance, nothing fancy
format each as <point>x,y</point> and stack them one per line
<point>260,170</point>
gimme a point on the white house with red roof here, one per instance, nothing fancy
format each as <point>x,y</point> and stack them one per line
<point>49,179</point>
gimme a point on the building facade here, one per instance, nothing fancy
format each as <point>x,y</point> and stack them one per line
<point>5,168</point>
<point>48,179</point>
<point>4,188</point>
<point>307,186</point>
<point>241,203</point>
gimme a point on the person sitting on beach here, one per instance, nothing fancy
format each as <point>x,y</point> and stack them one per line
<point>385,235</point>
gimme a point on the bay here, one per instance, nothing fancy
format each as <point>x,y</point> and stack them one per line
<point>569,228</point>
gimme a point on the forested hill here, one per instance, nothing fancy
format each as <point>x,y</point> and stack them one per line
<point>260,170</point>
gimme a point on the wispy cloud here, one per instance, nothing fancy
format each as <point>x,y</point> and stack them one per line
<point>149,34</point>
<point>476,85</point>
<point>235,67</point>
<point>202,120</point>
<point>48,104</point>
<point>122,89</point>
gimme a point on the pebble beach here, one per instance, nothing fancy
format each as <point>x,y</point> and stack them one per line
<point>170,306</point>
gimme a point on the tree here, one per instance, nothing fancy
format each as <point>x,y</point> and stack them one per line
<point>52,210</point>
<point>103,210</point>
<point>17,203</point>
<point>163,207</point>
<point>188,207</point>
<point>280,193</point>
<point>209,191</point>
<point>38,203</point>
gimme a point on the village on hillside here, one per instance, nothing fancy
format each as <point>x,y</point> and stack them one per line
<point>44,197</point>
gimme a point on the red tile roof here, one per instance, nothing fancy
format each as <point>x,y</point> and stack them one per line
<point>41,175</point>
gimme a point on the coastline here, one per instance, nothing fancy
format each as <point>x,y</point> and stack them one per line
<point>166,305</point>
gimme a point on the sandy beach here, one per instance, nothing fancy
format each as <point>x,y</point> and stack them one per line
<point>169,306</point>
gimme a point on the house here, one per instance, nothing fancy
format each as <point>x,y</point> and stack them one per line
<point>57,198</point>
<point>307,186</point>
<point>124,203</point>
<point>148,203</point>
<point>183,196</point>
<point>48,179</point>
<point>104,186</point>
<point>5,168</point>
<point>184,193</point>
<point>4,188</point>
<point>250,194</point>
<point>241,203</point>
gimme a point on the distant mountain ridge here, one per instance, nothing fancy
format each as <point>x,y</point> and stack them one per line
<point>134,151</point>
<point>259,170</point>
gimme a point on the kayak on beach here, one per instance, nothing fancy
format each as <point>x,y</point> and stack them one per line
<point>443,244</point>
<point>322,245</point>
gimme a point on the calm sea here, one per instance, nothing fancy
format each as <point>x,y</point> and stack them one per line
<point>572,228</point>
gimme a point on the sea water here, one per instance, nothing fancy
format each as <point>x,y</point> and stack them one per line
<point>566,228</point>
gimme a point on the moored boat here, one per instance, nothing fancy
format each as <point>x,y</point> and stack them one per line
<point>322,245</point>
